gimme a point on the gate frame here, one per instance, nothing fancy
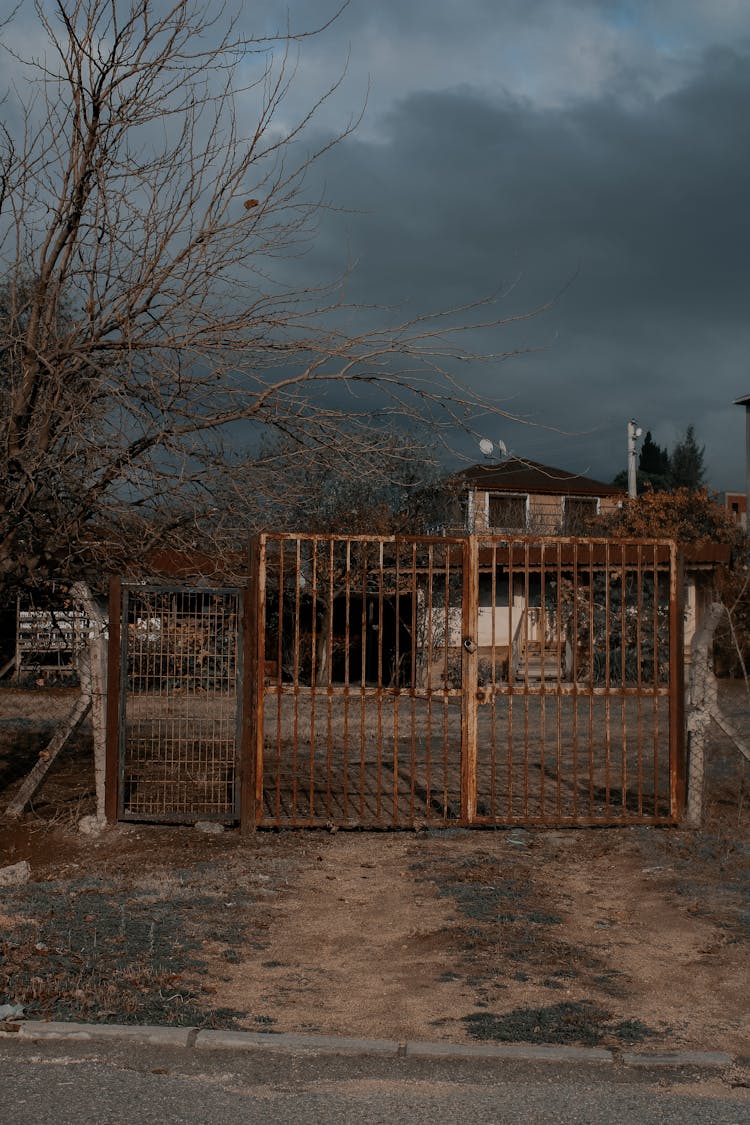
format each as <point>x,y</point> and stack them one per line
<point>117,693</point>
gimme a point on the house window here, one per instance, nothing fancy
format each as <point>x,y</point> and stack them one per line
<point>508,511</point>
<point>578,511</point>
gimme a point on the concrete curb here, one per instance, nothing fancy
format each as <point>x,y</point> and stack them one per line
<point>529,1052</point>
<point>293,1042</point>
<point>678,1058</point>
<point>139,1033</point>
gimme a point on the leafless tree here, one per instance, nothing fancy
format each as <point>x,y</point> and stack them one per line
<point>141,213</point>
<point>389,484</point>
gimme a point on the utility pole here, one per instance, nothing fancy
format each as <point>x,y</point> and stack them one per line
<point>634,432</point>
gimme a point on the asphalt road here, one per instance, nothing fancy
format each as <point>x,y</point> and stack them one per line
<point>112,1083</point>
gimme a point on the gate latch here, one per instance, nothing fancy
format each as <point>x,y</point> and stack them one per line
<point>469,645</point>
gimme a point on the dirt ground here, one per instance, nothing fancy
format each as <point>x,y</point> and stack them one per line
<point>617,937</point>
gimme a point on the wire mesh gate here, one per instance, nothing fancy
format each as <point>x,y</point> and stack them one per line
<point>175,673</point>
<point>393,682</point>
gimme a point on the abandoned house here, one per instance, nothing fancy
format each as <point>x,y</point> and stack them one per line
<point>527,498</point>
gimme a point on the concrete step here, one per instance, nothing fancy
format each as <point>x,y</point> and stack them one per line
<point>532,668</point>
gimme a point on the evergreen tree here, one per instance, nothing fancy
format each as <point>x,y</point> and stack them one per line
<point>653,464</point>
<point>687,469</point>
<point>658,471</point>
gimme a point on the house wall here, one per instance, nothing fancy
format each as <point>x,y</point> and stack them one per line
<point>500,625</point>
<point>507,618</point>
<point>544,512</point>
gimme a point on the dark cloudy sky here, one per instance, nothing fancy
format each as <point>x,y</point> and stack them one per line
<point>592,153</point>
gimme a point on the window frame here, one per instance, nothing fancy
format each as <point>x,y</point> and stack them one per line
<point>595,501</point>
<point>498,495</point>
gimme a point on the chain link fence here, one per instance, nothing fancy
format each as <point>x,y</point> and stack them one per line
<point>726,797</point>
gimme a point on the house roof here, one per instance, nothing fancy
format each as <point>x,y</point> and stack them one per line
<point>516,475</point>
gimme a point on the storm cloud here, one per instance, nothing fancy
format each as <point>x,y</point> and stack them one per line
<point>589,156</point>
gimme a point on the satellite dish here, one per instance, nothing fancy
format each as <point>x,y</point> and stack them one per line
<point>502,448</point>
<point>486,446</point>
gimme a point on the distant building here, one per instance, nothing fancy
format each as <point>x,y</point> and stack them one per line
<point>736,504</point>
<point>528,498</point>
<point>520,497</point>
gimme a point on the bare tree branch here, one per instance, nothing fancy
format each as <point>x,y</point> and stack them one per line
<point>141,317</point>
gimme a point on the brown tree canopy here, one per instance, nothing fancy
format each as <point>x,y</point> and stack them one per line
<point>685,514</point>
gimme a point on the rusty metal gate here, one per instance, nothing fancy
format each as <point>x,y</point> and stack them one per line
<point>392,682</point>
